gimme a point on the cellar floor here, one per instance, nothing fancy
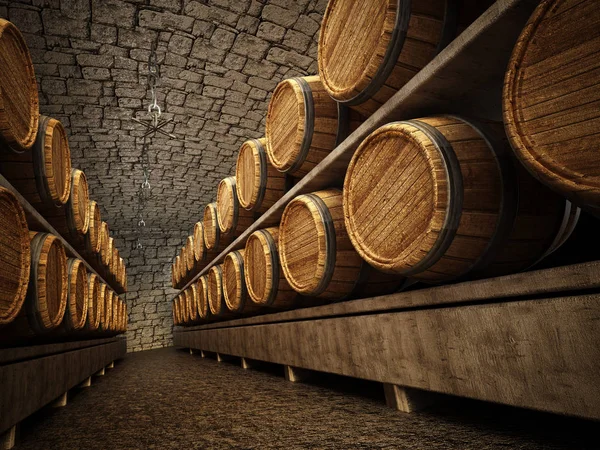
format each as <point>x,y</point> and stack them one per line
<point>169,399</point>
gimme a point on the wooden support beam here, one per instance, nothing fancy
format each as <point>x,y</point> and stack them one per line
<point>407,399</point>
<point>111,365</point>
<point>100,373</point>
<point>86,383</point>
<point>8,439</point>
<point>248,363</point>
<point>61,401</point>
<point>296,374</point>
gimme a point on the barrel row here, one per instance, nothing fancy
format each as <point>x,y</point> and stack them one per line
<point>36,159</point>
<point>43,293</point>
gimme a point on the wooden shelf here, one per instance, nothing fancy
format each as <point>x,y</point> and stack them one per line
<point>465,78</point>
<point>30,384</point>
<point>35,219</point>
<point>528,340</point>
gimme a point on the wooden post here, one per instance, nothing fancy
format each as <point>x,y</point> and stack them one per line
<point>100,373</point>
<point>248,363</point>
<point>111,365</point>
<point>191,351</point>
<point>8,439</point>
<point>202,354</point>
<point>60,401</point>
<point>407,399</point>
<point>296,374</point>
<point>86,383</point>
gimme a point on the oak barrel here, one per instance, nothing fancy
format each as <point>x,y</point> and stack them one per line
<point>258,183</point>
<point>202,292</point>
<point>109,253</point>
<point>316,254</point>
<point>212,233</point>
<point>177,272</point>
<point>200,254</point>
<point>216,299</point>
<point>73,219</point>
<point>301,126</point>
<point>189,254</point>
<point>46,300</point>
<point>180,308</point>
<point>233,220</point>
<point>43,174</point>
<point>106,322</point>
<point>15,256</point>
<point>93,312</point>
<point>192,303</point>
<point>369,50</point>
<point>265,281</point>
<point>440,198</point>
<point>104,243</point>
<point>175,312</point>
<point>92,237</point>
<point>552,96</point>
<point>19,104</point>
<point>77,297</point>
<point>234,284</point>
<point>102,298</point>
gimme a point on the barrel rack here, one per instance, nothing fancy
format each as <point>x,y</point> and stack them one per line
<point>530,340</point>
<point>33,376</point>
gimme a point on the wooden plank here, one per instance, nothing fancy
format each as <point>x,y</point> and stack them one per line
<point>40,223</point>
<point>466,77</point>
<point>557,280</point>
<point>540,354</point>
<point>29,385</point>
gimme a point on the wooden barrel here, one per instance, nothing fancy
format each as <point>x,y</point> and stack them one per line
<point>301,126</point>
<point>200,253</point>
<point>116,312</point>
<point>77,297</point>
<point>115,262</point>
<point>19,104</point>
<point>234,284</point>
<point>106,322</point>
<point>316,254</point>
<point>189,254</point>
<point>104,243</point>
<point>15,256</point>
<point>265,280</point>
<point>212,233</point>
<point>46,300</point>
<point>94,312</point>
<point>202,291</point>
<point>92,237</point>
<point>109,253</point>
<point>551,99</point>
<point>42,175</point>
<point>176,274</point>
<point>73,220</point>
<point>175,312</point>
<point>369,50</point>
<point>232,219</point>
<point>192,303</point>
<point>102,297</point>
<point>121,274</point>
<point>180,312</point>
<point>439,198</point>
<point>216,299</point>
<point>258,183</point>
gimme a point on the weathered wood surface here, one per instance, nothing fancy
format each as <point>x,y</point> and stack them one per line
<point>465,78</point>
<point>557,280</point>
<point>29,385</point>
<point>540,354</point>
<point>37,222</point>
<point>14,354</point>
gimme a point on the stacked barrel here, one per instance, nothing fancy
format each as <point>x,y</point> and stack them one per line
<point>431,200</point>
<point>45,290</point>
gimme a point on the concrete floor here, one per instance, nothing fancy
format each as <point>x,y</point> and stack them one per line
<point>169,399</point>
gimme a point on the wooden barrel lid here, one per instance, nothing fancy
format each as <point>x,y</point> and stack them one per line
<point>251,173</point>
<point>552,97</point>
<point>95,222</point>
<point>261,263</point>
<point>289,123</point>
<point>77,296</point>
<point>78,205</point>
<point>353,43</point>
<point>19,104</point>
<point>307,244</point>
<point>202,289</point>
<point>234,284</point>
<point>47,302</point>
<point>405,169</point>
<point>15,256</point>
<point>228,206</point>
<point>211,226</point>
<point>94,313</point>
<point>199,247</point>
<point>215,290</point>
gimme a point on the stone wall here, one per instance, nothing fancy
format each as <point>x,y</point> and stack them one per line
<point>220,60</point>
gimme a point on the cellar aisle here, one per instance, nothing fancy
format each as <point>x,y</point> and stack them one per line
<point>168,399</point>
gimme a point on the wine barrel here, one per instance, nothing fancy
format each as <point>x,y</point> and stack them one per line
<point>258,183</point>
<point>192,303</point>
<point>551,99</point>
<point>46,300</point>
<point>232,219</point>
<point>104,243</point>
<point>216,299</point>
<point>106,323</point>
<point>181,315</point>
<point>212,233</point>
<point>176,275</point>
<point>369,50</point>
<point>440,198</point>
<point>202,291</point>
<point>42,175</point>
<point>175,312</point>
<point>302,125</point>
<point>234,284</point>
<point>265,280</point>
<point>15,256</point>
<point>77,297</point>
<point>92,237</point>
<point>94,312</point>
<point>200,253</point>
<point>189,254</point>
<point>117,314</point>
<point>316,254</point>
<point>109,253</point>
<point>73,220</point>
<point>115,262</point>
<point>19,104</point>
<point>102,297</point>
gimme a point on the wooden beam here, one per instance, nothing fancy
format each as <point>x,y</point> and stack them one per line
<point>61,401</point>
<point>296,374</point>
<point>407,399</point>
<point>540,354</point>
<point>8,439</point>
<point>248,363</point>
<point>86,383</point>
